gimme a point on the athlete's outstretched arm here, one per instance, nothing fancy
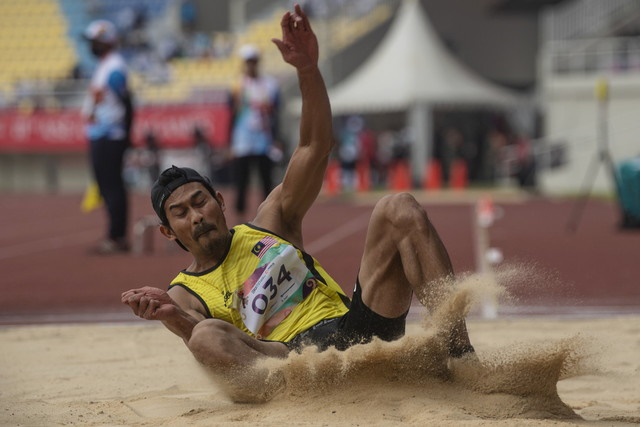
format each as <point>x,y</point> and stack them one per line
<point>172,309</point>
<point>289,202</point>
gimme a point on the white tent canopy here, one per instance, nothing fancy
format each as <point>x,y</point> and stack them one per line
<point>411,66</point>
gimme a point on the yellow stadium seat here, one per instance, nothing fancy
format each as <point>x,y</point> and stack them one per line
<point>33,41</point>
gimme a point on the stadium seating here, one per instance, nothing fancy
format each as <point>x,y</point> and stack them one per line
<point>33,44</point>
<point>40,42</point>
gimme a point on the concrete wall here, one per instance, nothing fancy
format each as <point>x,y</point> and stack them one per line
<point>572,113</point>
<point>49,173</point>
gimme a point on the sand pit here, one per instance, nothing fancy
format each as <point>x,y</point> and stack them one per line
<point>526,371</point>
<point>140,374</point>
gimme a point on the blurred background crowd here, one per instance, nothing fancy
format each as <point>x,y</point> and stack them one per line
<point>536,64</point>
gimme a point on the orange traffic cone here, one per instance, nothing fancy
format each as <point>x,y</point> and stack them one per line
<point>332,184</point>
<point>458,175</point>
<point>401,178</point>
<point>433,176</point>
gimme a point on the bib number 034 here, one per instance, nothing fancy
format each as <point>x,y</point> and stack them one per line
<point>279,286</point>
<point>260,301</point>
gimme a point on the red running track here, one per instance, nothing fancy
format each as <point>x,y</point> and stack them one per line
<point>49,276</point>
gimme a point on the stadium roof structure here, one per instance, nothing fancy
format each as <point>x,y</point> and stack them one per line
<point>412,66</point>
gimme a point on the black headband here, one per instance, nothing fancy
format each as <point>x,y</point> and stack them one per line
<point>168,181</point>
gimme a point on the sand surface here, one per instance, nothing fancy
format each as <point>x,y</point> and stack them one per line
<point>530,372</point>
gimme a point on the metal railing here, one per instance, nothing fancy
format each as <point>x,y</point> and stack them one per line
<point>588,56</point>
<point>587,18</point>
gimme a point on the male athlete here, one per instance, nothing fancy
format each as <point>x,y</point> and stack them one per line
<point>252,291</point>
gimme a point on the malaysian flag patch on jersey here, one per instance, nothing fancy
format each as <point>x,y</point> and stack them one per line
<point>261,247</point>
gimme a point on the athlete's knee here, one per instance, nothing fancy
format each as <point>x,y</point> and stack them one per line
<point>401,211</point>
<point>209,341</point>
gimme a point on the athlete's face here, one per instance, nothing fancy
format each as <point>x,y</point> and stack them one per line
<point>197,219</point>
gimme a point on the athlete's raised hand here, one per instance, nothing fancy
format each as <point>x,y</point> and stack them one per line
<point>298,45</point>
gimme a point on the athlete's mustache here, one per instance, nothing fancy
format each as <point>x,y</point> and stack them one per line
<point>202,228</point>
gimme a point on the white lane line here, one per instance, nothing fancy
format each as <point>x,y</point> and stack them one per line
<point>43,245</point>
<point>415,316</point>
<point>80,317</point>
<point>567,311</point>
<point>340,233</point>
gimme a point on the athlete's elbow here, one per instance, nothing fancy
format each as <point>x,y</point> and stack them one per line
<point>328,145</point>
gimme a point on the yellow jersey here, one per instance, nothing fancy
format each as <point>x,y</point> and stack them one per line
<point>266,287</point>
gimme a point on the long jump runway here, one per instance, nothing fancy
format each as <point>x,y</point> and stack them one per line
<point>48,275</point>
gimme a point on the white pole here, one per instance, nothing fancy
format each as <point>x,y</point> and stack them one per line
<point>420,121</point>
<point>483,219</point>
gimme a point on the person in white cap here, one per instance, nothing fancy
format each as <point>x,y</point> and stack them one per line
<point>255,103</point>
<point>108,110</point>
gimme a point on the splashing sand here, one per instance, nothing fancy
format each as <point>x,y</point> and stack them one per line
<point>507,382</point>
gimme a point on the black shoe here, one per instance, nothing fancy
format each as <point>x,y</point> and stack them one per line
<point>459,352</point>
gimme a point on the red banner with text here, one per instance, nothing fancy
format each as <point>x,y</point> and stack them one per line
<point>62,131</point>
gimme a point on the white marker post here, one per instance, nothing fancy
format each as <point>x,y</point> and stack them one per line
<point>486,256</point>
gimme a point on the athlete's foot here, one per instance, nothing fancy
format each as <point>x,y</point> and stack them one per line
<point>458,344</point>
<point>459,351</point>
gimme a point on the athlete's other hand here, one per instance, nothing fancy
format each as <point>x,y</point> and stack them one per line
<point>150,303</point>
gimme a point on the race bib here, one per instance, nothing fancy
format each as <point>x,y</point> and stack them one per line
<point>280,282</point>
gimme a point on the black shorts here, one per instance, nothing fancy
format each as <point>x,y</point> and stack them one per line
<point>359,325</point>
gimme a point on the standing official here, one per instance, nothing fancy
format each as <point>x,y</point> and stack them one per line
<point>108,110</point>
<point>255,106</point>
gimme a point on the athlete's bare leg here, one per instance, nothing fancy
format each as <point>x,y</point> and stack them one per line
<point>404,255</point>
